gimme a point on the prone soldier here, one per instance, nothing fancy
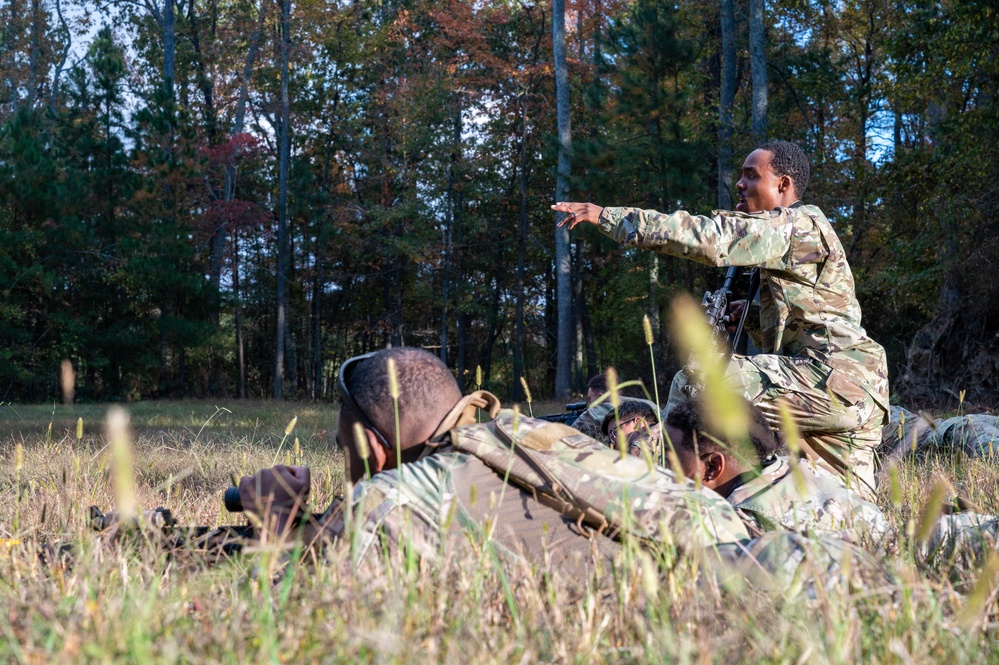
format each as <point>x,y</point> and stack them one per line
<point>426,477</point>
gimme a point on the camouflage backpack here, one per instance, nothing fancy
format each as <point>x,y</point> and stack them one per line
<point>595,485</point>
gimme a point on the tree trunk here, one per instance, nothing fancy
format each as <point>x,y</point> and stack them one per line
<point>725,101</point>
<point>591,345</point>
<point>461,366</point>
<point>169,47</point>
<point>563,254</point>
<point>516,390</point>
<point>238,318</point>
<point>229,192</point>
<point>34,53</point>
<point>579,381</point>
<point>67,46</point>
<point>291,344</point>
<point>398,280</point>
<point>495,323</point>
<point>284,152</point>
<point>451,221</point>
<point>653,304</point>
<point>758,63</point>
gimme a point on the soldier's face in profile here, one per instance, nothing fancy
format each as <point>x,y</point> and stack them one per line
<point>758,188</point>
<point>688,461</point>
<point>626,427</point>
<point>352,462</point>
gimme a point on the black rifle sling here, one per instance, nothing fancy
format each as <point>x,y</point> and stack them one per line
<point>740,339</point>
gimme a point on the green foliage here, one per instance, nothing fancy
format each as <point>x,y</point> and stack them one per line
<point>137,228</point>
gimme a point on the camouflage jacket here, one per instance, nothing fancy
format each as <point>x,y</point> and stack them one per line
<point>483,478</point>
<point>808,303</point>
<point>807,499</point>
<point>963,540</point>
<point>589,421</point>
<point>977,434</point>
<point>811,566</point>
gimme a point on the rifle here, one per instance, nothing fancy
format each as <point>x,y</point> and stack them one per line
<point>715,305</point>
<point>216,542</point>
<point>572,411</point>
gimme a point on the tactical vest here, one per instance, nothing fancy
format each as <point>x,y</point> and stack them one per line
<point>595,486</point>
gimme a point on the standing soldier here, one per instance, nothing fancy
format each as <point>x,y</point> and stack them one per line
<point>817,360</point>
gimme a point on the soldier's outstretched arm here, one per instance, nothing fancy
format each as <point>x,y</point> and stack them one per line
<point>727,238</point>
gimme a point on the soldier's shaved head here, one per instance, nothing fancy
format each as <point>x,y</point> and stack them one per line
<point>427,392</point>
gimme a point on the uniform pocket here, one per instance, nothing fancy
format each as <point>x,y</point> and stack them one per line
<point>846,389</point>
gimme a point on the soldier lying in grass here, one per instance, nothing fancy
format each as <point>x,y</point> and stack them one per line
<point>776,491</point>
<point>428,478</point>
<point>800,497</point>
<point>974,434</point>
<point>591,422</point>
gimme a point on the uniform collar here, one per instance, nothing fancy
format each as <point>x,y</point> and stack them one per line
<point>772,470</point>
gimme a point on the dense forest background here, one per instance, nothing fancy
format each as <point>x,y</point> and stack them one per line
<point>229,197</point>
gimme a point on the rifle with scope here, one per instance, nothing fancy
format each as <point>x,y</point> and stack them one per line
<point>216,541</point>
<point>572,411</point>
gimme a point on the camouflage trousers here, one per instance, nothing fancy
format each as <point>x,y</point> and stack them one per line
<point>838,432</point>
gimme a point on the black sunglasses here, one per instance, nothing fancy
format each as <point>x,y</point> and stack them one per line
<point>346,369</point>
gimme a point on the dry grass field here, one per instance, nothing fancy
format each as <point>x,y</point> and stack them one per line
<point>133,603</point>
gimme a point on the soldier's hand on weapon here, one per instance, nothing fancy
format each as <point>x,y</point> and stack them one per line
<point>733,315</point>
<point>576,213</point>
<point>281,491</point>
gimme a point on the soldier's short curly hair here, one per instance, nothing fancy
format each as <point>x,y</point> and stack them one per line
<point>788,159</point>
<point>687,418</point>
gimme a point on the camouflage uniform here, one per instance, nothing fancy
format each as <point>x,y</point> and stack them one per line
<point>793,564</point>
<point>589,421</point>
<point>807,499</point>
<point>961,539</point>
<point>976,434</point>
<point>817,360</point>
<point>467,485</point>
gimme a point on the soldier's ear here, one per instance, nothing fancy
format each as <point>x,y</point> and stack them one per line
<point>379,455</point>
<point>714,466</point>
<point>784,184</point>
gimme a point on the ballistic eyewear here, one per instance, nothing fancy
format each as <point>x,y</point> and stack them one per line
<point>613,428</point>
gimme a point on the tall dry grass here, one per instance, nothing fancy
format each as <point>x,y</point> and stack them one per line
<point>133,603</point>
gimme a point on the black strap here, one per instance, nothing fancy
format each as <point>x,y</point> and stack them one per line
<point>740,338</point>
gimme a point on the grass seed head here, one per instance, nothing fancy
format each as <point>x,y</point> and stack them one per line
<point>361,439</point>
<point>647,329</point>
<point>615,394</point>
<point>121,455</point>
<point>723,407</point>
<point>393,377</point>
<point>67,380</point>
